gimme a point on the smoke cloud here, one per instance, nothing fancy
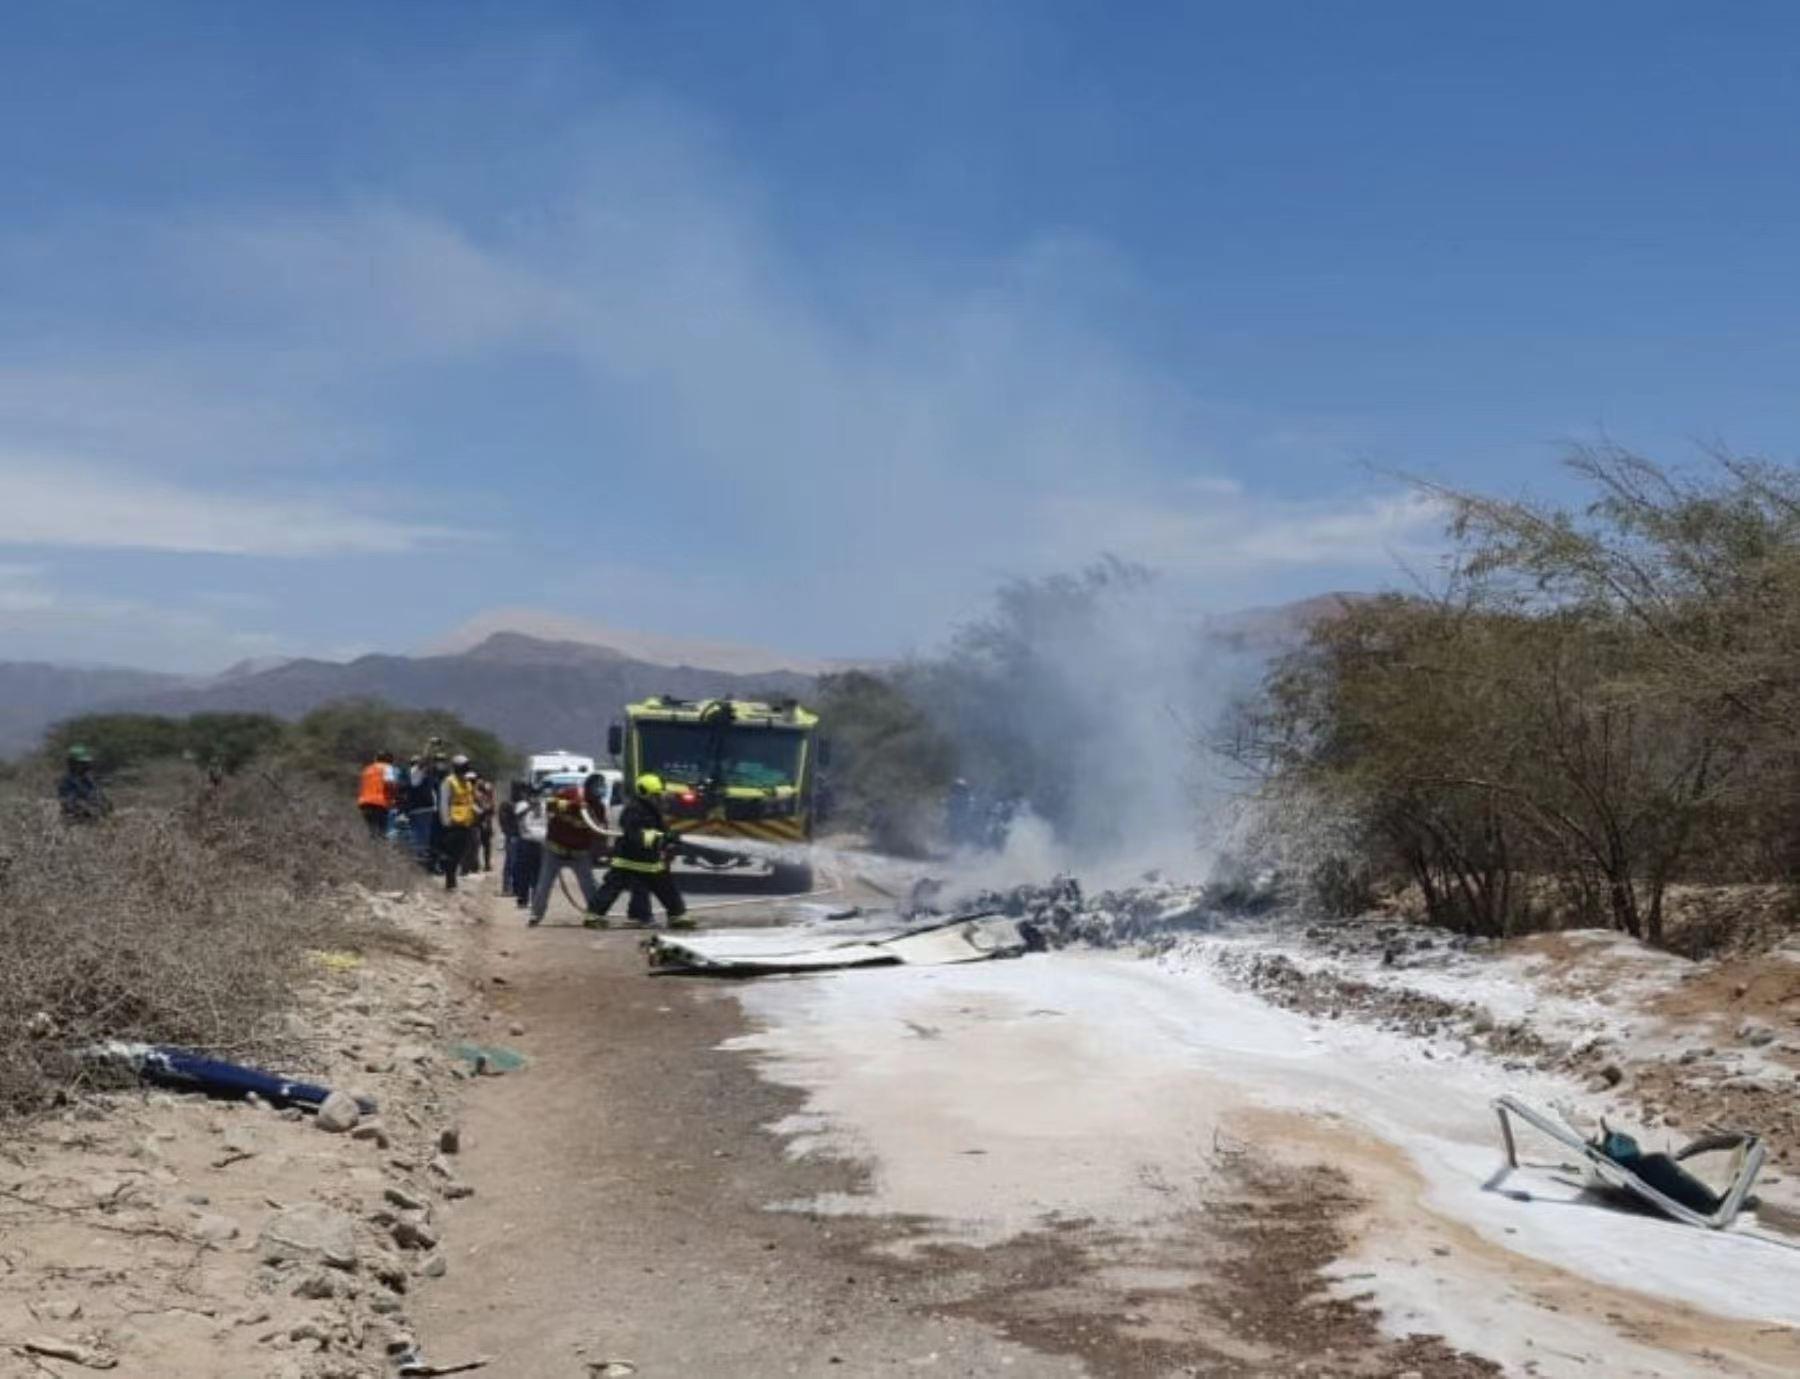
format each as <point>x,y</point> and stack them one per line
<point>1089,699</point>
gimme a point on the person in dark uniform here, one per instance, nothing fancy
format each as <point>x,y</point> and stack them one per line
<point>640,862</point>
<point>79,792</point>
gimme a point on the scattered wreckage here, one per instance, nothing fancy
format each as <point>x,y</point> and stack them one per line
<point>930,927</point>
<point>1154,911</point>
<point>1614,1162</point>
<point>1036,918</point>
<point>967,938</point>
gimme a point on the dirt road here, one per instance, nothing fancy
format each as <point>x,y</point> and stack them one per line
<point>624,1180</point>
<point>1063,1166</point>
<point>625,1185</point>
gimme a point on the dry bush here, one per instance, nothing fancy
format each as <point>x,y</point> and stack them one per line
<point>1599,705</point>
<point>184,922</point>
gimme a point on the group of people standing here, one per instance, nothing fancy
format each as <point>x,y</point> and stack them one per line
<point>439,804</point>
<point>447,811</point>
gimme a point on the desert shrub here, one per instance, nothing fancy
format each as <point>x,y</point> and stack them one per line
<point>121,740</point>
<point>890,763</point>
<point>1599,705</point>
<point>231,741</point>
<point>128,741</point>
<point>332,741</point>
<point>185,920</point>
<point>329,744</point>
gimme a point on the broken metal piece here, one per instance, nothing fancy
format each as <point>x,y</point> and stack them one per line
<point>969,938</point>
<point>1614,1161</point>
<point>413,1365</point>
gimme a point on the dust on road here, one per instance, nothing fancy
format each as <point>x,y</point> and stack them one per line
<point>635,1206</point>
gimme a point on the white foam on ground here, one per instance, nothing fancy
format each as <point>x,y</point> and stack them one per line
<point>993,1096</point>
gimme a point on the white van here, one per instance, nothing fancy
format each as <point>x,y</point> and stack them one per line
<point>542,765</point>
<point>553,770</point>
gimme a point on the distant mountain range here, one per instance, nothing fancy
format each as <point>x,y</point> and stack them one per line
<point>653,647</point>
<point>534,693</point>
<point>34,695</point>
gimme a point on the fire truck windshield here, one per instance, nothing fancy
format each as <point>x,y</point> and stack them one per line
<point>753,758</point>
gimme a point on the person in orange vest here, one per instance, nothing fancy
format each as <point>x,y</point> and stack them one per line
<point>376,795</point>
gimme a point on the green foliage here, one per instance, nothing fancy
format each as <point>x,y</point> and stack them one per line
<point>337,738</point>
<point>891,764</point>
<point>1602,703</point>
<point>1019,704</point>
<point>231,741</point>
<point>329,742</point>
<point>1017,695</point>
<point>120,741</point>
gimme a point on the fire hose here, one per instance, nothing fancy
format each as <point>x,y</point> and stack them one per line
<point>699,852</point>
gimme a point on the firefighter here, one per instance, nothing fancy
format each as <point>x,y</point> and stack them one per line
<point>640,862</point>
<point>574,829</point>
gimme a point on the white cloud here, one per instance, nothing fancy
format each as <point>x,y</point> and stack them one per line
<point>57,501</point>
<point>179,412</point>
<point>40,620</point>
<point>22,590</point>
<point>1244,535</point>
<point>874,444</point>
<point>379,279</point>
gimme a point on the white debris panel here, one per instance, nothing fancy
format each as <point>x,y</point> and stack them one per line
<point>971,939</point>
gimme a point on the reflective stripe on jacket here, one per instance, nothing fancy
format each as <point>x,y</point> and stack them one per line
<point>642,835</point>
<point>375,792</point>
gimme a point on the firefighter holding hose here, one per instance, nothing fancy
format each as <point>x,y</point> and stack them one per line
<point>640,861</point>
<point>574,829</point>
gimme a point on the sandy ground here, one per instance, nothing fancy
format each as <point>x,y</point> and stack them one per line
<point>1066,1164</point>
<point>625,1183</point>
<point>1069,1164</point>
<point>654,1192</point>
<point>135,1225</point>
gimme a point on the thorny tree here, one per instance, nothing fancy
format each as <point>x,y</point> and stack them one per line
<point>1598,704</point>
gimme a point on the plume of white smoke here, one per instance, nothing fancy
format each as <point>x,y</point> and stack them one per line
<point>1094,698</point>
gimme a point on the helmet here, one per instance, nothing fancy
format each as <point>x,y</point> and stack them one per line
<point>79,753</point>
<point>459,761</point>
<point>649,784</point>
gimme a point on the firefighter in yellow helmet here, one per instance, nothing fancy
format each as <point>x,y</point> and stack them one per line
<point>640,861</point>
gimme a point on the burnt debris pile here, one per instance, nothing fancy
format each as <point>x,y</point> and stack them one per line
<point>1062,914</point>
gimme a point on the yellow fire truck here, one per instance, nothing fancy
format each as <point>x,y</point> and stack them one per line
<point>731,769</point>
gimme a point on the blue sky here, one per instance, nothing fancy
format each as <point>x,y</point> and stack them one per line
<point>325,328</point>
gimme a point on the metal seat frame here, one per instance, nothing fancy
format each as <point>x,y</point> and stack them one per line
<point>1748,1153</point>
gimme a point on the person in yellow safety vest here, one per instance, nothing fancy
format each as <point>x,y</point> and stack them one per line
<point>456,814</point>
<point>640,862</point>
<point>375,795</point>
<point>574,831</point>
